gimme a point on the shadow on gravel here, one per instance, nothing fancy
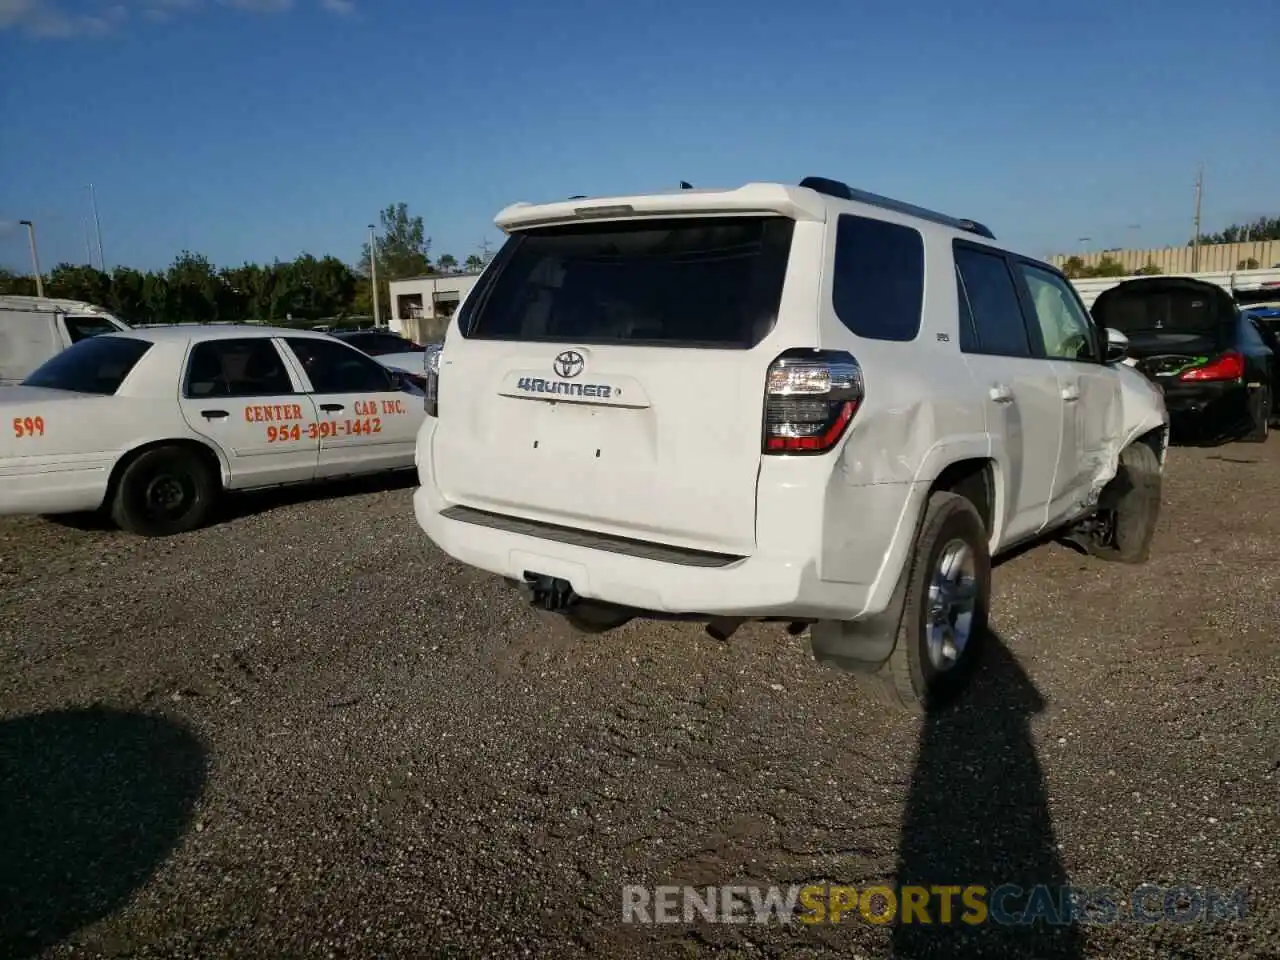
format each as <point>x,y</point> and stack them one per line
<point>977,813</point>
<point>239,505</point>
<point>91,803</point>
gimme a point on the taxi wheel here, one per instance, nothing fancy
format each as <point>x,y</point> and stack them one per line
<point>164,491</point>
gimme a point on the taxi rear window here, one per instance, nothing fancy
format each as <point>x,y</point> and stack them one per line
<point>96,365</point>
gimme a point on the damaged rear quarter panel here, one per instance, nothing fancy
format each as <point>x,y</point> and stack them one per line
<point>921,414</point>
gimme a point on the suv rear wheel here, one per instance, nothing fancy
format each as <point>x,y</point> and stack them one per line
<point>944,615</point>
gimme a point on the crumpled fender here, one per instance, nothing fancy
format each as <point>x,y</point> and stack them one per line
<point>1142,411</point>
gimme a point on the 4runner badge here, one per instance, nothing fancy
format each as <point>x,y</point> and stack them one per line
<point>569,364</point>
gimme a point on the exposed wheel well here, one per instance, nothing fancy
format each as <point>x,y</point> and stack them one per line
<point>1157,440</point>
<point>974,480</point>
<point>195,446</point>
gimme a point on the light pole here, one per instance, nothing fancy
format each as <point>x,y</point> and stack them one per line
<point>373,276</point>
<point>97,226</point>
<point>35,258</point>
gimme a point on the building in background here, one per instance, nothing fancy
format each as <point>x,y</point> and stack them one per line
<point>421,306</point>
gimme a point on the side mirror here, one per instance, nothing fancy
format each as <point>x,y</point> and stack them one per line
<point>1117,346</point>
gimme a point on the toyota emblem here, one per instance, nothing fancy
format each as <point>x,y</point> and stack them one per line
<point>569,364</point>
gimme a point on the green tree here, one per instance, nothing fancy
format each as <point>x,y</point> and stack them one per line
<point>1107,266</point>
<point>197,293</point>
<point>1250,264</point>
<point>1150,270</point>
<point>1074,267</point>
<point>1264,228</point>
<point>79,282</point>
<point>17,284</point>
<point>127,295</point>
<point>448,263</point>
<point>193,290</point>
<point>156,298</point>
<point>403,249</point>
<point>248,288</point>
<point>403,246</point>
<point>474,264</point>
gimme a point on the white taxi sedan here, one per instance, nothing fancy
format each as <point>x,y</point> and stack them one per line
<point>152,425</point>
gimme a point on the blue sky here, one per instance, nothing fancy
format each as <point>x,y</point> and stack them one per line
<point>253,129</point>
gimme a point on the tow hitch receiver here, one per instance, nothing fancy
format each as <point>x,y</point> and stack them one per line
<point>549,593</point>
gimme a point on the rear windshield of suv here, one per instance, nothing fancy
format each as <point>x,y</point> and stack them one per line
<point>705,282</point>
<point>95,365</point>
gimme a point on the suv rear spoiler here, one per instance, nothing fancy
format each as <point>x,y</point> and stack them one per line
<point>752,198</point>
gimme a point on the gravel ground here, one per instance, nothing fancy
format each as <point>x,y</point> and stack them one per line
<point>305,732</point>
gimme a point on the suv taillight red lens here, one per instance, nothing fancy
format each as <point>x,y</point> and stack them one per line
<point>810,399</point>
<point>1229,366</point>
<point>431,388</point>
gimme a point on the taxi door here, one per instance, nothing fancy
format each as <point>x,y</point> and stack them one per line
<point>240,394</point>
<point>367,424</point>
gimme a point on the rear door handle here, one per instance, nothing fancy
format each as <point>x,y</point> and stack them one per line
<point>331,407</point>
<point>1001,393</point>
<point>1070,394</point>
<point>214,414</point>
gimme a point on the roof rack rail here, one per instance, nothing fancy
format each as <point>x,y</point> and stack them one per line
<point>842,191</point>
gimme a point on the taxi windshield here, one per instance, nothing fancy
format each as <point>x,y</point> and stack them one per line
<point>95,365</point>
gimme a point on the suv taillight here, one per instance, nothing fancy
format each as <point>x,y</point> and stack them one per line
<point>431,390</point>
<point>810,399</point>
<point>1229,366</point>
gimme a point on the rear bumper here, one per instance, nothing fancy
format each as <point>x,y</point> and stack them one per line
<point>1193,398</point>
<point>26,488</point>
<point>776,581</point>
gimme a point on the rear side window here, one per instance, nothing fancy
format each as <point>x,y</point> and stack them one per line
<point>991,318</point>
<point>710,282</point>
<point>333,367</point>
<point>878,284</point>
<point>251,367</point>
<point>95,365</point>
<point>81,328</point>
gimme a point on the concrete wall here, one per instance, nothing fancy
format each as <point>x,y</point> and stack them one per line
<point>1213,258</point>
<point>424,329</point>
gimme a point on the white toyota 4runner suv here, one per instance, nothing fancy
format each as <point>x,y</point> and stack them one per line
<point>803,404</point>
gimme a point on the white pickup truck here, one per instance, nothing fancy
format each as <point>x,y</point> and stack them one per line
<point>33,329</point>
<point>806,404</point>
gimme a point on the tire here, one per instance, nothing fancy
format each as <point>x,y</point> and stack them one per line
<point>1259,417</point>
<point>911,678</point>
<point>1131,502</point>
<point>164,491</point>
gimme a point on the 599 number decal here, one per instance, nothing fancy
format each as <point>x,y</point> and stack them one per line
<point>24,427</point>
<point>322,431</point>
